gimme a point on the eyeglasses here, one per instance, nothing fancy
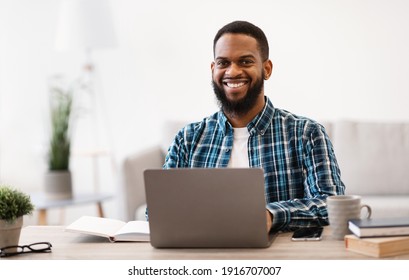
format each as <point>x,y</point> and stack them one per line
<point>39,247</point>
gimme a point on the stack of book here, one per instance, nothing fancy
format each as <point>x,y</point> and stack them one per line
<point>379,237</point>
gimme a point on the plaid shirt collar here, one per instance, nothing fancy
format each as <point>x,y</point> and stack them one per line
<point>258,125</point>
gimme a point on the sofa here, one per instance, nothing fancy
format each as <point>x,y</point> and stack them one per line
<point>373,158</point>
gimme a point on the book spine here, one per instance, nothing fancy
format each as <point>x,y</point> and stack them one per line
<point>393,231</point>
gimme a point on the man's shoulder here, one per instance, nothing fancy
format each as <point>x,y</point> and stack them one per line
<point>198,127</point>
<point>288,118</point>
<point>291,117</point>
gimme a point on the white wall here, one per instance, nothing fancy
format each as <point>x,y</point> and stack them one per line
<point>333,59</point>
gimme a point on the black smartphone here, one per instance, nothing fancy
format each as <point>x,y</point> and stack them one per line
<point>308,234</point>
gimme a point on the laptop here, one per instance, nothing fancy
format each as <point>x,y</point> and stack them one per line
<point>206,208</point>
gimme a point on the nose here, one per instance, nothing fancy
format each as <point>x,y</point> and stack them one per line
<point>233,70</point>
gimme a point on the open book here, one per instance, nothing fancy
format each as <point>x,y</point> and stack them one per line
<point>114,230</point>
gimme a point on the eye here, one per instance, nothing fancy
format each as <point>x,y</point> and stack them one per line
<point>222,63</point>
<point>246,62</point>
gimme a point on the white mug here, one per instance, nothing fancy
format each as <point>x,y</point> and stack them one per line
<point>341,209</point>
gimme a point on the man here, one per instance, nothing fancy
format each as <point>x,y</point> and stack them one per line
<point>297,157</point>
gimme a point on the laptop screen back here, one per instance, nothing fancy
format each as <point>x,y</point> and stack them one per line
<point>203,207</point>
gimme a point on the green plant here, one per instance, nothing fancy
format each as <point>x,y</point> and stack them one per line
<point>14,204</point>
<point>60,142</point>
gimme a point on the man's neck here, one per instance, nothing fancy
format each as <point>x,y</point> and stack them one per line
<point>244,119</point>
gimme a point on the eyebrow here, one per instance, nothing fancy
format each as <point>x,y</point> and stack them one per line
<point>241,57</point>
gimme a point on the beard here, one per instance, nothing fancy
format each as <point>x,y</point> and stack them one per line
<point>242,106</point>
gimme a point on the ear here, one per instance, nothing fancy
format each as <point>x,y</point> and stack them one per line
<point>212,66</point>
<point>268,68</point>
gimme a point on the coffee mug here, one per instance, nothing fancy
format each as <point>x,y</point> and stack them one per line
<point>341,209</point>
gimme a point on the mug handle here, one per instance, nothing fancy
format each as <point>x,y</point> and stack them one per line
<point>369,210</point>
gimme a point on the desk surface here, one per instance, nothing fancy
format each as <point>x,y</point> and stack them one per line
<point>67,245</point>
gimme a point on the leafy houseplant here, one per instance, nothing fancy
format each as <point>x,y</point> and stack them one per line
<point>60,143</point>
<point>58,183</point>
<point>13,206</point>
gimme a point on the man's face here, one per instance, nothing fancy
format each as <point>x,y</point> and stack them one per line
<point>238,73</point>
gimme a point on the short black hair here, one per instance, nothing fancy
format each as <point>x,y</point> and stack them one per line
<point>246,28</point>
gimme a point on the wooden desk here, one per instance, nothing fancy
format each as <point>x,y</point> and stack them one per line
<point>42,203</point>
<point>67,245</point>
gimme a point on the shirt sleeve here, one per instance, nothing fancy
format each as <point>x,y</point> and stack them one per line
<point>177,155</point>
<point>321,178</point>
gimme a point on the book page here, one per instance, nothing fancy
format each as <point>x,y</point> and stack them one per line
<point>96,226</point>
<point>133,231</point>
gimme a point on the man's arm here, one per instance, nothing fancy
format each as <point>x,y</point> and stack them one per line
<point>269,220</point>
<point>176,156</point>
<point>320,178</point>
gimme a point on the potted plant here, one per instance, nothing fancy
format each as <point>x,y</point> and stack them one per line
<point>58,183</point>
<point>14,204</point>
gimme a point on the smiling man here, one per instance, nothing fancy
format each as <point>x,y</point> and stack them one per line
<point>296,154</point>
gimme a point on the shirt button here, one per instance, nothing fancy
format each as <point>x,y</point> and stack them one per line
<point>227,150</point>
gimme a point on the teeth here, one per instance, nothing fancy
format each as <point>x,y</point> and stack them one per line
<point>235,85</point>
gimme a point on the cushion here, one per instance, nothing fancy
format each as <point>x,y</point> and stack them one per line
<point>373,157</point>
<point>385,206</point>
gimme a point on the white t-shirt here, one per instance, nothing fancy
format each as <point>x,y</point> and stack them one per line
<point>239,155</point>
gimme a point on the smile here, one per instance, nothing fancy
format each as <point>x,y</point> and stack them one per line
<point>234,84</point>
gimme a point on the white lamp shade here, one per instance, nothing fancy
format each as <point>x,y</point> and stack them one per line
<point>85,24</point>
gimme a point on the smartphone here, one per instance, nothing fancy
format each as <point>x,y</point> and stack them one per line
<point>308,234</point>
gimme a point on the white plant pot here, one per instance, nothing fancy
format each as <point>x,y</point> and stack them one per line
<point>10,232</point>
<point>58,185</point>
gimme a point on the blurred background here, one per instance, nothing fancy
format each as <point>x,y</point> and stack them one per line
<point>333,59</point>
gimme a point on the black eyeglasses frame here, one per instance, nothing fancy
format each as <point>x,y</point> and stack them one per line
<point>21,249</point>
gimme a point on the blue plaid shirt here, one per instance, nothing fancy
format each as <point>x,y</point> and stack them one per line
<point>296,154</point>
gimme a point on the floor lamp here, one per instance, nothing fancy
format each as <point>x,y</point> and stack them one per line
<point>86,26</point>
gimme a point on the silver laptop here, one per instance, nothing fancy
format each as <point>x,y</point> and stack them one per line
<point>206,208</point>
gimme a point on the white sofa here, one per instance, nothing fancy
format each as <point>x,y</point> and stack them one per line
<point>373,158</point>
<point>134,165</point>
<point>374,162</point>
